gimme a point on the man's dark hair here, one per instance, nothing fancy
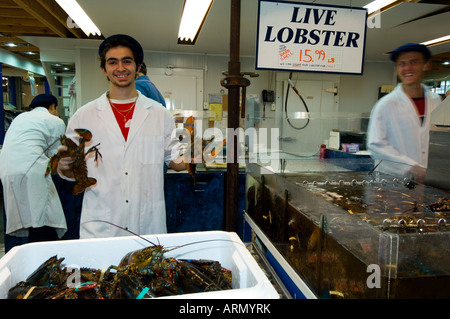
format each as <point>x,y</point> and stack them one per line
<point>143,69</point>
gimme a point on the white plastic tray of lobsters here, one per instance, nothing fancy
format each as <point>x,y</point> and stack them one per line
<point>195,265</point>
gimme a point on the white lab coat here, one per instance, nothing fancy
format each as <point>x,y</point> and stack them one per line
<point>30,198</point>
<point>396,133</point>
<point>130,184</point>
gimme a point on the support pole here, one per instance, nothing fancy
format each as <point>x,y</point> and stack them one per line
<point>233,82</point>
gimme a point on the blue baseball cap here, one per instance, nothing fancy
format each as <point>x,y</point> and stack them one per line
<point>411,47</point>
<point>44,100</point>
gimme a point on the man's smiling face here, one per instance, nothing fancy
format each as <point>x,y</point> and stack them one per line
<point>410,67</point>
<point>120,67</point>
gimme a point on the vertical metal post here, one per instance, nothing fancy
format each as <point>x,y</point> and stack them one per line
<point>234,66</point>
<point>2,112</point>
<point>12,93</point>
<point>234,81</point>
<point>47,87</point>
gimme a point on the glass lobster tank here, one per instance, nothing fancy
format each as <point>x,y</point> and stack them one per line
<point>354,228</point>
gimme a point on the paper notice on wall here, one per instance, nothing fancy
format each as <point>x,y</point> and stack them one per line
<point>310,37</point>
<point>215,112</point>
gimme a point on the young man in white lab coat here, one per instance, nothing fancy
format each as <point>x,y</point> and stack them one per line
<point>399,123</point>
<point>32,205</point>
<point>136,136</point>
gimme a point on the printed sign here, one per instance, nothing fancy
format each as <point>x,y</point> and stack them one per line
<point>296,36</point>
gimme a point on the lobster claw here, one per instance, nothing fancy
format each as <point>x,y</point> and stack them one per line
<point>52,164</point>
<point>134,288</point>
<point>81,185</point>
<point>84,133</point>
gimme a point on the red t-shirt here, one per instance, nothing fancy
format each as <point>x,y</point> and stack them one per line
<point>123,111</point>
<point>420,106</point>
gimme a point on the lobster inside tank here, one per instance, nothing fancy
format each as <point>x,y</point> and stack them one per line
<point>353,235</point>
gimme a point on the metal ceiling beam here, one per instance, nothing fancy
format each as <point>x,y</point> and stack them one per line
<point>37,11</point>
<point>15,30</point>
<point>14,13</point>
<point>21,22</point>
<point>59,14</point>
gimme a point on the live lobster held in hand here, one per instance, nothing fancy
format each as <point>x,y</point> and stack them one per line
<point>78,166</point>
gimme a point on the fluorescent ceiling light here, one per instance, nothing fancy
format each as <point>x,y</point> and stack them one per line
<point>437,41</point>
<point>192,19</point>
<point>80,17</point>
<point>378,6</point>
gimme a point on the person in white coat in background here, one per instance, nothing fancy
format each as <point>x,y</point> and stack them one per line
<point>136,136</point>
<point>32,205</point>
<point>399,125</point>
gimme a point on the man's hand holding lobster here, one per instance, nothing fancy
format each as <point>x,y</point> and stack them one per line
<point>70,161</point>
<point>65,163</point>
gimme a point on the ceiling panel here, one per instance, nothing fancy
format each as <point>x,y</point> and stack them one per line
<point>20,18</point>
<point>155,24</point>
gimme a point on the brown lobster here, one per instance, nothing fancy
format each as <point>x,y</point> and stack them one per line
<point>79,168</point>
<point>201,144</point>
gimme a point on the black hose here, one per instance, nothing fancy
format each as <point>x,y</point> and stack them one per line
<point>286,103</point>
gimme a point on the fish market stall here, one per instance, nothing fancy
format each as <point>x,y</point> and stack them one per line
<point>333,228</point>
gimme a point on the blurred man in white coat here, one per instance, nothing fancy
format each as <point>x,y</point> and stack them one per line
<point>399,123</point>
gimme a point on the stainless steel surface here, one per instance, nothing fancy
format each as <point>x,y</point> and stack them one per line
<point>259,257</point>
<point>438,172</point>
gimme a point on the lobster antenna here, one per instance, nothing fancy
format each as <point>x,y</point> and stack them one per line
<point>123,228</point>
<point>206,241</point>
<point>149,241</point>
<point>38,159</point>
